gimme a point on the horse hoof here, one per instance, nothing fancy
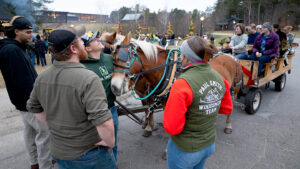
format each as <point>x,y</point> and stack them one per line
<point>164,156</point>
<point>147,133</point>
<point>228,130</point>
<point>144,124</point>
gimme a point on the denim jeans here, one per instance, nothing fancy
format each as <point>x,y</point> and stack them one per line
<point>99,158</point>
<point>242,56</point>
<point>178,159</point>
<point>115,118</point>
<point>32,56</point>
<point>263,59</point>
<point>43,58</point>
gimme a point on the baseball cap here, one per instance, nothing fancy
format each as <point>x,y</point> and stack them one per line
<point>88,37</point>
<point>19,22</point>
<point>63,36</point>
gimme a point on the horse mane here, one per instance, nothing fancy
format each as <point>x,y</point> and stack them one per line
<point>149,49</point>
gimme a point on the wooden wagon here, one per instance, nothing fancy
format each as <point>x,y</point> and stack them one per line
<point>274,71</point>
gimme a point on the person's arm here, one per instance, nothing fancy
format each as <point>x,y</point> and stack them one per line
<point>41,117</point>
<point>226,103</point>
<point>243,43</point>
<point>33,105</point>
<point>274,48</point>
<point>256,45</point>
<point>231,41</point>
<point>181,96</point>
<point>94,99</point>
<point>107,133</point>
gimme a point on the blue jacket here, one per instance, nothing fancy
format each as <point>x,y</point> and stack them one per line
<point>251,38</point>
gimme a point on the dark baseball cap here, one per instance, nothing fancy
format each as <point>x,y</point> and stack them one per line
<point>18,22</point>
<point>63,36</point>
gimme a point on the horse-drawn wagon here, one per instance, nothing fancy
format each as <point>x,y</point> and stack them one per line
<point>132,73</point>
<point>274,71</point>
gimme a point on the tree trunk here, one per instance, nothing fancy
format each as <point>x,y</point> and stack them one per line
<point>258,12</point>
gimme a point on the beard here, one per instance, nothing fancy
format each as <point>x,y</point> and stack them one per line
<point>83,55</point>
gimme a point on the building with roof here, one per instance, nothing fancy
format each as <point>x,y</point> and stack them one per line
<point>69,17</point>
<point>5,16</point>
<point>132,17</point>
<point>228,24</point>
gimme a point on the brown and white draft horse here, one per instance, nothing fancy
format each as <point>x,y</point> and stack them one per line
<point>151,56</point>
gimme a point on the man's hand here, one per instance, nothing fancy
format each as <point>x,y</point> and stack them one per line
<point>258,54</point>
<point>231,46</point>
<point>102,143</point>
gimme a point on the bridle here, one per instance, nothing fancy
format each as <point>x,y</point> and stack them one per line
<point>129,54</point>
<point>106,49</point>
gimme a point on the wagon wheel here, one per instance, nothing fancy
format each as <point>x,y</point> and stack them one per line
<point>253,100</point>
<point>280,82</point>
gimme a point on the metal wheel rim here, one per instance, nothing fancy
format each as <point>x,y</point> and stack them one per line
<point>256,101</point>
<point>282,84</point>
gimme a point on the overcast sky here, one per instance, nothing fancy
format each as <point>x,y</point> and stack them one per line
<point>106,6</point>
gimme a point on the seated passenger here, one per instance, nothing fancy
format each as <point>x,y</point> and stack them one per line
<point>239,41</point>
<point>265,47</point>
<point>282,39</point>
<point>289,36</point>
<point>258,29</point>
<point>252,34</point>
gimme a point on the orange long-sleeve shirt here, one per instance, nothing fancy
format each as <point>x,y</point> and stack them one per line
<point>181,96</point>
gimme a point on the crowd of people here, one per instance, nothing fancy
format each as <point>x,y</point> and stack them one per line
<point>68,110</point>
<point>265,40</point>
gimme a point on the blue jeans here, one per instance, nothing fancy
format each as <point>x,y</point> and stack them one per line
<point>32,56</point>
<point>242,56</point>
<point>52,58</point>
<point>43,58</point>
<point>263,59</point>
<point>178,159</point>
<point>115,118</point>
<point>99,158</point>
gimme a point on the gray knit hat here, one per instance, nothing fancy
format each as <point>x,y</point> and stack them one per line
<point>189,53</point>
<point>268,26</point>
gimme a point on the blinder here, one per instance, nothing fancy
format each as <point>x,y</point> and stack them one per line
<point>124,55</point>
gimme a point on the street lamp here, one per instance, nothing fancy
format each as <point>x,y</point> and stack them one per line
<point>233,23</point>
<point>201,25</point>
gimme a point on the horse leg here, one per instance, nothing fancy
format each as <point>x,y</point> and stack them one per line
<point>164,156</point>
<point>228,129</point>
<point>149,125</point>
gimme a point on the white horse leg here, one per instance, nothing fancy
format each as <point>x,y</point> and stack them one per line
<point>149,125</point>
<point>164,156</point>
<point>228,129</point>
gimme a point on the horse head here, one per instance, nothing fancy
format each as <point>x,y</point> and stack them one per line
<point>108,40</point>
<point>119,82</point>
<point>131,57</point>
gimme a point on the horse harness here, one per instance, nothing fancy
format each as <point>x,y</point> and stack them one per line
<point>161,91</point>
<point>106,49</point>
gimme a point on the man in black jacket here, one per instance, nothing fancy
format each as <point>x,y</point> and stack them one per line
<point>19,76</point>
